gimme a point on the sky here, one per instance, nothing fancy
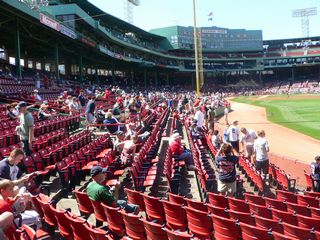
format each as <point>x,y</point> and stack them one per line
<point>273,17</point>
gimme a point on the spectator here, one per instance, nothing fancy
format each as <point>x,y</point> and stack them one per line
<point>91,106</point>
<point>226,113</point>
<point>82,99</point>
<point>180,152</point>
<point>315,173</point>
<point>216,139</point>
<point>16,204</point>
<point>11,112</point>
<point>98,191</point>
<point>113,129</point>
<point>26,128</point>
<point>261,149</point>
<point>36,96</point>
<point>129,149</point>
<point>194,130</point>
<point>247,140</point>
<point>37,80</point>
<point>233,135</point>
<point>74,106</point>
<point>226,162</point>
<point>43,113</point>
<point>211,116</point>
<point>199,116</point>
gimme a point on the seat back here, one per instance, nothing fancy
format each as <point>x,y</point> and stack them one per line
<point>238,205</point>
<point>134,227</point>
<point>78,227</point>
<point>175,214</point>
<point>84,202</point>
<point>135,197</point>
<point>297,232</point>
<point>217,200</point>
<point>154,208</point>
<point>254,199</point>
<point>249,232</point>
<point>225,228</point>
<point>269,224</point>
<point>172,235</point>
<point>287,217</point>
<point>95,233</point>
<point>199,223</point>
<point>154,230</point>
<point>173,198</point>
<point>115,220</point>
<point>63,224</point>
<point>196,205</point>
<point>287,196</point>
<point>98,211</point>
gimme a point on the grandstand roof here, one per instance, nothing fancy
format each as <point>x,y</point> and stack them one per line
<point>92,10</point>
<point>290,40</point>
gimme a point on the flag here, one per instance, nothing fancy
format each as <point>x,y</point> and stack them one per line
<point>210,14</point>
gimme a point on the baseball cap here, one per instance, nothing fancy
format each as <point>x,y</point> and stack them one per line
<point>97,170</point>
<point>317,158</point>
<point>21,105</point>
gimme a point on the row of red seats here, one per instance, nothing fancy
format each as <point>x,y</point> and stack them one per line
<point>281,178</point>
<point>143,170</point>
<point>203,220</point>
<point>172,171</point>
<point>202,160</point>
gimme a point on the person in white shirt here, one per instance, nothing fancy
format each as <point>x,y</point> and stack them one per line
<point>226,113</point>
<point>247,140</point>
<point>199,116</point>
<point>233,135</point>
<point>261,149</point>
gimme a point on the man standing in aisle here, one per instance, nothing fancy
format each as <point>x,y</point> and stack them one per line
<point>26,128</point>
<point>247,140</point>
<point>233,134</point>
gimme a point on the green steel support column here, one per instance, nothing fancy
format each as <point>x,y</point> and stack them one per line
<point>80,69</point>
<point>156,78</point>
<point>167,78</point>
<point>18,54</point>
<point>145,77</point>
<point>56,55</point>
<point>96,73</point>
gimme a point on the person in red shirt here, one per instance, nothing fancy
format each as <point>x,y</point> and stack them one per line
<point>180,151</point>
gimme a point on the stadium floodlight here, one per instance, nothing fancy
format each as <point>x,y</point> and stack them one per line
<point>304,14</point>
<point>128,9</point>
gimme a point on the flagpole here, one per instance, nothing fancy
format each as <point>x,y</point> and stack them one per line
<point>196,48</point>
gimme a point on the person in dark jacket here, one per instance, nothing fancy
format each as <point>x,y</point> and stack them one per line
<point>315,173</point>
<point>226,162</point>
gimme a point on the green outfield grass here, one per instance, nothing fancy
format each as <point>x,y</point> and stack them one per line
<point>302,115</point>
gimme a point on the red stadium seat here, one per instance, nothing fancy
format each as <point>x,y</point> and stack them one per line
<point>250,232</point>
<point>287,196</point>
<point>275,204</point>
<point>308,201</point>
<point>298,209</point>
<point>134,227</point>
<point>115,221</point>
<point>222,212</point>
<point>308,222</point>
<point>154,208</point>
<point>260,210</point>
<point>97,233</point>
<point>28,233</point>
<point>135,197</point>
<point>64,227</point>
<point>254,199</point>
<point>199,223</point>
<point>241,217</point>
<point>175,214</point>
<point>269,224</point>
<point>287,217</point>
<point>225,228</point>
<point>238,205</point>
<point>279,236</point>
<point>176,199</point>
<point>217,200</point>
<point>175,235</point>
<point>297,232</point>
<point>98,212</point>
<point>154,230</point>
<point>78,226</point>
<point>84,203</point>
<point>196,205</point>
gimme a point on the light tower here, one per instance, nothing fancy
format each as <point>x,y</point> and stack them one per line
<point>128,9</point>
<point>304,14</point>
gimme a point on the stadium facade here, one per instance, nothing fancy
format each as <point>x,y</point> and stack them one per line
<point>75,38</point>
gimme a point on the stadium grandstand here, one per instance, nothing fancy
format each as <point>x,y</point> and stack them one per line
<point>103,136</point>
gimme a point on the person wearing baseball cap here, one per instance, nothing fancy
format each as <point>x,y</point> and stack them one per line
<point>315,173</point>
<point>97,190</point>
<point>26,128</point>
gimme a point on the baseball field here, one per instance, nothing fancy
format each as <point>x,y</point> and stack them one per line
<point>298,112</point>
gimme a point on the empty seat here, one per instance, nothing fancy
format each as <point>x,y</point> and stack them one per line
<point>286,196</point>
<point>175,214</point>
<point>279,236</point>
<point>176,199</point>
<point>298,209</point>
<point>308,222</point>
<point>115,221</point>
<point>176,235</point>
<point>269,224</point>
<point>217,200</point>
<point>276,204</point>
<point>84,203</point>
<point>135,197</point>
<point>250,232</point>
<point>134,227</point>
<point>308,201</point>
<point>254,199</point>
<point>222,212</point>
<point>199,223</point>
<point>225,228</point>
<point>154,230</point>
<point>196,205</point>
<point>241,217</point>
<point>287,217</point>
<point>260,210</point>
<point>297,232</point>
<point>238,205</point>
<point>154,208</point>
